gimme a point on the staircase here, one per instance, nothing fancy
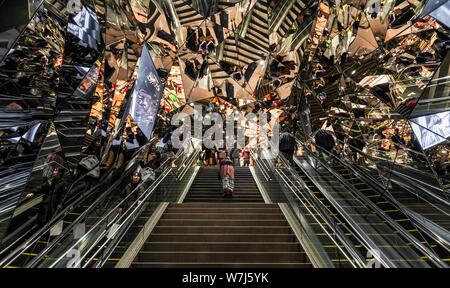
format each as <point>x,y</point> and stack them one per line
<point>208,188</point>
<point>210,231</point>
<point>213,235</point>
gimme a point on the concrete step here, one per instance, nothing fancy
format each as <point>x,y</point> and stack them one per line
<point>234,199</point>
<point>224,217</point>
<point>219,194</point>
<point>229,257</point>
<point>255,238</point>
<point>222,229</point>
<point>223,246</point>
<point>219,265</point>
<point>223,205</point>
<point>222,235</point>
<point>221,222</point>
<point>222,210</point>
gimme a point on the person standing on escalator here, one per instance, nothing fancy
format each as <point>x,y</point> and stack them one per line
<point>326,142</point>
<point>53,190</point>
<point>133,188</point>
<point>287,145</point>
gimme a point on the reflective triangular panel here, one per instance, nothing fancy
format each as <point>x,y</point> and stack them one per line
<point>12,27</point>
<point>436,96</point>
<point>72,119</point>
<point>146,95</point>
<point>30,71</point>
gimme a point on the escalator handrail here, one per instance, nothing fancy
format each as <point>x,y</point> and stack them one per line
<point>360,234</point>
<point>86,213</point>
<point>136,211</point>
<point>47,227</point>
<point>444,201</point>
<point>397,227</point>
<point>394,225</point>
<point>412,190</point>
<point>111,211</point>
<point>124,223</point>
<point>319,208</point>
<point>374,184</point>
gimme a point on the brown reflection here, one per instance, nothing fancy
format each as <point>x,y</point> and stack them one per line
<point>31,69</point>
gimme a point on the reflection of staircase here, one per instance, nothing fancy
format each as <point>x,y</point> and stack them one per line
<point>290,17</point>
<point>241,52</point>
<point>258,27</point>
<point>224,4</point>
<point>254,45</point>
<point>317,112</point>
<point>186,14</point>
<point>403,110</point>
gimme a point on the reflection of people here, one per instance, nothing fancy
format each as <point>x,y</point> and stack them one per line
<point>146,108</point>
<point>397,139</point>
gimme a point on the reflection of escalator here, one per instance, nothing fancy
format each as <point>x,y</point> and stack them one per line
<point>378,236</point>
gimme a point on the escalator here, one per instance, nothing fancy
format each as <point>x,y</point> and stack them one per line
<point>83,209</point>
<point>96,201</point>
<point>330,247</point>
<point>399,203</point>
<point>407,199</point>
<point>103,239</point>
<point>387,207</point>
<point>371,228</point>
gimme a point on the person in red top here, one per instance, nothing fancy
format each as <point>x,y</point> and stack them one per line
<point>227,177</point>
<point>246,156</point>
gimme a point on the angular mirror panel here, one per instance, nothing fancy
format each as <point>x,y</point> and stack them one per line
<point>146,95</point>
<point>71,121</point>
<point>435,98</point>
<point>29,73</point>
<point>12,27</point>
<point>23,145</point>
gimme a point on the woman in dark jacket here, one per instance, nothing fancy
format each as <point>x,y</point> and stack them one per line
<point>134,188</point>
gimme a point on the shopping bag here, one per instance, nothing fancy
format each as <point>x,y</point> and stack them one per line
<point>89,162</point>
